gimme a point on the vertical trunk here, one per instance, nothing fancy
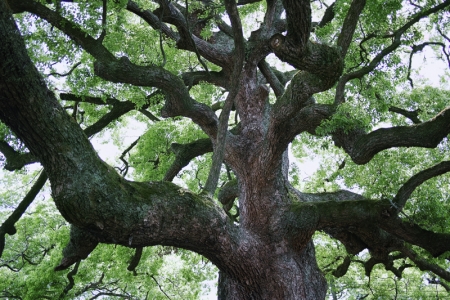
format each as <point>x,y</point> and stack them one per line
<point>288,275</point>
<point>278,258</point>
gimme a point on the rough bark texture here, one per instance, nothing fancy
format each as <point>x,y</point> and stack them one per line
<point>269,254</point>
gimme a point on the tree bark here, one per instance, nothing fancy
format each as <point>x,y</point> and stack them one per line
<point>103,207</point>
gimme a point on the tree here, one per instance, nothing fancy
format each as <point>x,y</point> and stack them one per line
<point>177,56</point>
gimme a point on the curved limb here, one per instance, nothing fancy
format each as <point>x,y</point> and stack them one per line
<point>7,226</point>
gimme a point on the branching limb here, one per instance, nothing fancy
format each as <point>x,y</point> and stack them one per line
<point>119,108</point>
<point>380,244</point>
<point>152,20</point>
<point>412,115</point>
<point>323,64</point>
<point>184,153</point>
<point>80,245</point>
<point>14,159</point>
<point>349,210</point>
<point>71,283</point>
<point>406,190</point>
<point>76,34</point>
<point>124,170</point>
<point>101,205</point>
<point>272,79</point>
<point>178,101</point>
<point>349,25</point>
<point>435,243</point>
<point>239,55</point>
<point>418,48</point>
<point>362,147</point>
<point>7,226</point>
<point>425,265</point>
<point>218,55</point>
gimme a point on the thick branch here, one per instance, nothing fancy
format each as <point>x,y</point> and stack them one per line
<point>135,260</point>
<point>412,115</point>
<point>362,147</point>
<point>102,206</point>
<point>349,26</point>
<point>406,190</point>
<point>184,154</point>
<point>228,193</point>
<point>80,245</point>
<point>328,16</point>
<point>238,63</point>
<point>323,63</point>
<point>298,16</point>
<point>272,79</point>
<point>151,20</point>
<point>217,78</point>
<point>119,108</point>
<point>425,265</point>
<point>348,210</point>
<point>218,55</point>
<point>178,101</point>
<point>435,243</point>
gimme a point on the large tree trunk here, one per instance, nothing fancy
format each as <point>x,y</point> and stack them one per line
<point>282,274</point>
<point>280,257</point>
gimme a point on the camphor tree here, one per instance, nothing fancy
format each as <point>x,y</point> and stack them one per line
<point>213,70</point>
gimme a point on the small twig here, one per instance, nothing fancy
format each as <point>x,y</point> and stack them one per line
<point>192,39</point>
<point>435,280</point>
<point>161,39</point>
<point>65,74</point>
<point>124,170</point>
<point>159,286</point>
<point>415,5</point>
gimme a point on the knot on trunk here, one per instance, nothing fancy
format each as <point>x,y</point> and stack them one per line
<point>322,61</point>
